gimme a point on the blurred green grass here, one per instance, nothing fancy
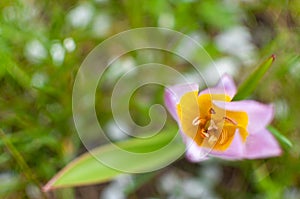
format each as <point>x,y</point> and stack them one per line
<point>42,44</point>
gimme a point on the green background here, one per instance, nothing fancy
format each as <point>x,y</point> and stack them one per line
<point>43,43</point>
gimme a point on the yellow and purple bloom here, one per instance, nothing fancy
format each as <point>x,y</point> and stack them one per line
<point>213,125</point>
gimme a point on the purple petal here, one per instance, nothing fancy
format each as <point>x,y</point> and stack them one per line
<point>262,145</point>
<point>234,152</point>
<point>225,85</point>
<point>173,95</point>
<point>259,115</point>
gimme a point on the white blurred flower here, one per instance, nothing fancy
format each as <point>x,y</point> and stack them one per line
<point>119,67</point>
<point>101,25</point>
<point>116,189</point>
<point>188,48</point>
<point>112,192</point>
<point>194,188</point>
<point>35,51</point>
<point>81,15</point>
<point>69,44</point>
<point>177,187</point>
<point>292,193</point>
<point>214,71</point>
<point>117,131</point>
<point>8,178</point>
<point>281,109</point>
<point>237,41</point>
<point>169,182</point>
<point>57,52</point>
<point>211,173</point>
<point>33,192</point>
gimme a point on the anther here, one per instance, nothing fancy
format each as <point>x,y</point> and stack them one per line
<point>196,121</point>
<point>205,135</point>
<point>212,111</point>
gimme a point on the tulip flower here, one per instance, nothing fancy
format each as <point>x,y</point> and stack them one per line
<point>212,125</point>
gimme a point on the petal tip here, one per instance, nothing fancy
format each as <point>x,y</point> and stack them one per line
<point>262,145</point>
<point>227,83</point>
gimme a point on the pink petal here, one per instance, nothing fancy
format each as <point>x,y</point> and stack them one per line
<point>262,145</point>
<point>259,115</point>
<point>234,152</point>
<point>225,85</point>
<point>194,153</point>
<point>173,95</point>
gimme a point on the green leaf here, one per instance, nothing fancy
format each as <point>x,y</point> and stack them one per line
<point>286,143</point>
<point>154,153</point>
<point>249,85</point>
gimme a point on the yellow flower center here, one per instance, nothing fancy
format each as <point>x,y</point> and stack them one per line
<point>208,125</point>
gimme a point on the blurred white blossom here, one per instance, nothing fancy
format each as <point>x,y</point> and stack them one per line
<point>237,41</point>
<point>57,52</point>
<point>35,51</point>
<point>101,25</point>
<point>177,187</point>
<point>169,182</point>
<point>188,48</point>
<point>281,109</point>
<point>81,16</point>
<point>33,192</point>
<point>69,44</point>
<point>116,189</point>
<point>214,71</point>
<point>117,131</point>
<point>119,67</point>
<point>292,193</point>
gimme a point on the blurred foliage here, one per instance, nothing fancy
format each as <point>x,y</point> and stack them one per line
<point>43,43</point>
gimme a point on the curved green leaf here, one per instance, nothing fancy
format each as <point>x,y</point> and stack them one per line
<point>86,169</point>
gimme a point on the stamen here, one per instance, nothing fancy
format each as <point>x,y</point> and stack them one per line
<point>212,126</point>
<point>205,135</point>
<point>212,111</point>
<point>196,121</point>
<point>230,120</point>
<point>223,136</point>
